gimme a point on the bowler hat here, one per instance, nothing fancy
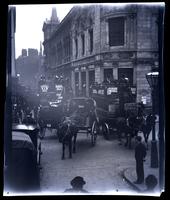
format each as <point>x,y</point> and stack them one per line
<point>78,180</point>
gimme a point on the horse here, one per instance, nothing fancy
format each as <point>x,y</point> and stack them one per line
<point>136,124</point>
<point>129,125</point>
<point>67,136</point>
<point>123,127</point>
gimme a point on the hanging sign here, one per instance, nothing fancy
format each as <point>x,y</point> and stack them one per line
<point>58,87</point>
<point>44,88</point>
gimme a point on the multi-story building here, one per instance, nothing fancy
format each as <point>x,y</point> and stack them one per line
<point>96,42</point>
<point>29,67</point>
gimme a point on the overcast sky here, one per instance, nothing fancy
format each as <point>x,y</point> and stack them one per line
<point>29,23</point>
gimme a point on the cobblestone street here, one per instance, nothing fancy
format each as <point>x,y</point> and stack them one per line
<point>100,165</point>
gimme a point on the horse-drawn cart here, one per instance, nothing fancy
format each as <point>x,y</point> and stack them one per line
<point>110,100</point>
<point>82,111</point>
<point>50,113</point>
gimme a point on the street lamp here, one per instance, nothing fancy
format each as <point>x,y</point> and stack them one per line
<point>152,78</point>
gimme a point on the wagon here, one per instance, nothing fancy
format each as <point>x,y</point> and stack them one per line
<point>82,111</point>
<point>50,112</point>
<point>110,106</point>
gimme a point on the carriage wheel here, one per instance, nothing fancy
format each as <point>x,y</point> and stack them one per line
<point>105,131</point>
<point>94,133</point>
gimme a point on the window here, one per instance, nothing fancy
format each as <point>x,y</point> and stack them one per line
<point>59,53</point>
<point>128,72</point>
<point>76,83</point>
<point>76,44</point>
<point>116,31</point>
<point>83,83</point>
<point>108,75</point>
<point>83,47</point>
<point>66,43</point>
<point>91,77</point>
<point>91,40</point>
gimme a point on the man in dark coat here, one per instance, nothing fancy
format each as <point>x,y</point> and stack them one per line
<point>140,153</point>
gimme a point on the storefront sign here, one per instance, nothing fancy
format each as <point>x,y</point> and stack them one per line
<point>94,91</point>
<point>111,90</point>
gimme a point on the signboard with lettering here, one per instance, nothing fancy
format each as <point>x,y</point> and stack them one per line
<point>133,107</point>
<point>44,88</point>
<point>94,91</point>
<point>112,90</point>
<point>58,87</point>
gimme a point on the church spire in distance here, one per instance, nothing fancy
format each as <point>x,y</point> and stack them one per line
<point>54,17</point>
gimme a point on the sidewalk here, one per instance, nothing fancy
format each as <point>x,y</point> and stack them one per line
<point>129,174</point>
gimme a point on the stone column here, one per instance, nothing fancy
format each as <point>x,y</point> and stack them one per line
<point>143,88</point>
<point>73,82</point>
<point>80,82</point>
<point>98,74</point>
<point>96,29</point>
<point>115,73</point>
<point>87,82</point>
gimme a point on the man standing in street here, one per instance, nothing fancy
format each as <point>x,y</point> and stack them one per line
<point>140,153</point>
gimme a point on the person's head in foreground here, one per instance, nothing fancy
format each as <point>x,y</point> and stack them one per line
<point>150,182</point>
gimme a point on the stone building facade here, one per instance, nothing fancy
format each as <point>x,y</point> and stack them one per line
<point>98,41</point>
<point>29,67</point>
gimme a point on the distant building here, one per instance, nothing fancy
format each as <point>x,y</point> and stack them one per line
<point>30,66</point>
<point>96,42</point>
<point>32,52</point>
<point>24,52</point>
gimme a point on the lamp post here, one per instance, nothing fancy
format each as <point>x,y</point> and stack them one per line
<point>152,78</point>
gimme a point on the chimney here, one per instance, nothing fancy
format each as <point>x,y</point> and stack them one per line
<point>24,52</point>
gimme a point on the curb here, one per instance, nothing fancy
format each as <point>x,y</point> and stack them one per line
<point>130,182</point>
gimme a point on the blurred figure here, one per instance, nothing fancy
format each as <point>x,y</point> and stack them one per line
<point>77,185</point>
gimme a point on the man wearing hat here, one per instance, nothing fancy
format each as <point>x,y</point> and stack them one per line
<point>140,153</point>
<point>77,185</point>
